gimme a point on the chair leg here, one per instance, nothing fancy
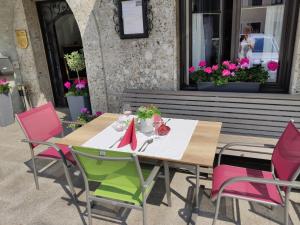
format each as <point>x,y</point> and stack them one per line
<point>89,210</point>
<point>144,213</point>
<point>167,182</point>
<point>71,187</point>
<point>286,208</point>
<point>35,175</point>
<point>217,210</point>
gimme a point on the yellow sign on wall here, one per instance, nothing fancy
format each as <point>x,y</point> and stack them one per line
<point>22,39</point>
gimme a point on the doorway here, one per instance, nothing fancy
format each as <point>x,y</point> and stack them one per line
<point>61,36</point>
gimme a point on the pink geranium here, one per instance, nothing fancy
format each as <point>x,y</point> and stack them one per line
<point>226,73</point>
<point>215,67</point>
<point>226,63</point>
<point>202,63</point>
<point>244,60</point>
<point>68,85</point>
<point>192,69</point>
<point>245,65</point>
<point>231,66</point>
<point>208,70</point>
<point>272,65</point>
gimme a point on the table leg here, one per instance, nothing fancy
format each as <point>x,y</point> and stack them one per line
<point>167,182</point>
<point>197,187</point>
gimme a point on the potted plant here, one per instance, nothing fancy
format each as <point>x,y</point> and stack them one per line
<point>84,117</point>
<point>145,115</point>
<point>229,76</point>
<point>6,108</point>
<point>77,95</point>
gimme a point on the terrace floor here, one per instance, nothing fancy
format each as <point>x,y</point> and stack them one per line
<point>22,204</point>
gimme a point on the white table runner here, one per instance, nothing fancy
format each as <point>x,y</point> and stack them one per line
<point>171,146</point>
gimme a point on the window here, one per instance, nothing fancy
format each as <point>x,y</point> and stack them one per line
<point>218,30</point>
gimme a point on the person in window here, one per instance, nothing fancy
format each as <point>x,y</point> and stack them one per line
<point>246,44</point>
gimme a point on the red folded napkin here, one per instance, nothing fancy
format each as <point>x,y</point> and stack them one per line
<point>129,137</point>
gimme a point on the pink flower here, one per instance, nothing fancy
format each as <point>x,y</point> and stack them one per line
<point>84,111</point>
<point>226,73</point>
<point>192,69</point>
<point>244,60</point>
<point>231,66</point>
<point>226,63</point>
<point>99,113</point>
<point>208,70</point>
<point>245,65</point>
<point>232,74</point>
<point>215,67</point>
<point>272,65</point>
<point>202,63</point>
<point>68,85</point>
<point>3,82</point>
<point>80,86</point>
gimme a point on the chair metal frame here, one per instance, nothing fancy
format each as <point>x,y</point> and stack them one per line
<point>63,160</point>
<point>279,183</point>
<point>144,183</point>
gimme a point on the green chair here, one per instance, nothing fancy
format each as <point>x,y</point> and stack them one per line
<point>121,179</point>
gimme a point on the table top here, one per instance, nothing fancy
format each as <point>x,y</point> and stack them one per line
<point>200,151</point>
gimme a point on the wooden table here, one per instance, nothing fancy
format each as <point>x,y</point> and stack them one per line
<point>200,151</point>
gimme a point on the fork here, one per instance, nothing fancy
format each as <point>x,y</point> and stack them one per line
<point>148,142</point>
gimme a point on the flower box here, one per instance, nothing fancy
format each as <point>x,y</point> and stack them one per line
<point>245,87</point>
<point>6,110</point>
<point>76,103</point>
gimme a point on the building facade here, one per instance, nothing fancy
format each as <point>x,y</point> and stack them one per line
<point>114,64</point>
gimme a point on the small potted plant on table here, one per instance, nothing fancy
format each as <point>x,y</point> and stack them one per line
<point>6,108</point>
<point>145,115</point>
<point>77,95</point>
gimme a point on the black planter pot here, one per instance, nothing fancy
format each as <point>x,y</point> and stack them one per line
<point>246,87</point>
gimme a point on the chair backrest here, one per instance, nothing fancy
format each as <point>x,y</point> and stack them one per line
<point>41,123</point>
<point>286,155</point>
<point>118,168</point>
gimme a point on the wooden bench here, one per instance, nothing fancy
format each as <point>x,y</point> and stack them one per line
<point>258,116</point>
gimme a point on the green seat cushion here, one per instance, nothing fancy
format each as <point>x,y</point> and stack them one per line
<point>118,189</point>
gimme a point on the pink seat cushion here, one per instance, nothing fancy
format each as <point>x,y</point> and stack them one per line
<point>246,190</point>
<point>52,153</point>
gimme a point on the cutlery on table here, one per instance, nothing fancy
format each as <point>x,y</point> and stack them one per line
<point>148,142</point>
<point>116,142</point>
<point>145,142</point>
<point>167,120</point>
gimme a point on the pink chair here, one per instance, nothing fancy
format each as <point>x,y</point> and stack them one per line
<point>261,186</point>
<point>39,125</point>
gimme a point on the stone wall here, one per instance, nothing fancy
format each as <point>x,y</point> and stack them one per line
<point>114,64</point>
<point>295,78</point>
<point>7,47</point>
<point>33,63</point>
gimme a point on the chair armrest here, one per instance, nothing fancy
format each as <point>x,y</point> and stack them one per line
<point>49,144</point>
<point>291,184</point>
<point>151,177</point>
<point>242,144</point>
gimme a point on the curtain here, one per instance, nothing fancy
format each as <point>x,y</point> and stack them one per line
<point>198,40</point>
<point>273,23</point>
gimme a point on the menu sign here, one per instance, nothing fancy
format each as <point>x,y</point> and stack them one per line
<point>133,19</point>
